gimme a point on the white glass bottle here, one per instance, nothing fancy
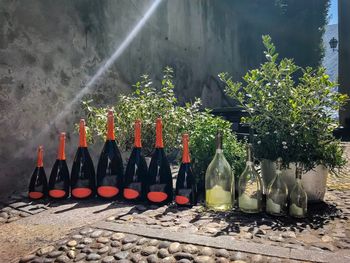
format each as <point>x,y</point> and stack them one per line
<point>277,193</point>
<point>219,181</point>
<point>298,197</point>
<point>250,186</point>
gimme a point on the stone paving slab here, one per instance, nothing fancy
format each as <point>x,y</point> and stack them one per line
<point>99,245</point>
<point>326,229</point>
<point>226,242</point>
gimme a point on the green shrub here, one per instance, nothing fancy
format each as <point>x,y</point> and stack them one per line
<point>147,103</point>
<point>292,119</point>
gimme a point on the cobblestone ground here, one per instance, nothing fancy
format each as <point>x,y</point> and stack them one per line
<point>94,245</point>
<point>325,230</point>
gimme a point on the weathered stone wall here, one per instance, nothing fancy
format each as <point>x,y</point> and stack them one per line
<point>49,49</point>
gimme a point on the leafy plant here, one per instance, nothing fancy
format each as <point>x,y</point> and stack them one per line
<point>203,144</point>
<point>147,103</point>
<point>292,119</point>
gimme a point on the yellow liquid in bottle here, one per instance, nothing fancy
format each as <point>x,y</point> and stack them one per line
<point>218,199</point>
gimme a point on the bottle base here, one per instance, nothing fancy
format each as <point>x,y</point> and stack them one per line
<point>223,207</point>
<point>249,211</point>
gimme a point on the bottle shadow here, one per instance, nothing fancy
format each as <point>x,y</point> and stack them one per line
<point>319,215</point>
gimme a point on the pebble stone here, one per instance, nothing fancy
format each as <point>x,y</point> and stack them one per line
<point>97,245</point>
<point>149,250</point>
<point>96,233</point>
<point>103,240</point>
<point>86,231</point>
<point>80,246</point>
<point>206,251</point>
<point>113,251</point>
<point>27,258</point>
<point>136,258</point>
<point>62,259</point>
<point>192,249</point>
<point>222,253</point>
<point>153,242</point>
<point>93,256</point>
<point>257,259</point>
<point>103,250</point>
<point>117,236</point>
<point>87,250</point>
<point>222,260</point>
<point>129,239</point>
<point>152,259</point>
<point>71,254</point>
<point>72,243</point>
<point>181,255</point>
<point>116,244</point>
<point>136,249</point>
<point>79,256</point>
<point>45,250</point>
<point>87,240</point>
<point>108,259</point>
<point>204,259</point>
<point>164,244</point>
<point>174,247</point>
<point>55,254</point>
<point>128,246</point>
<point>169,260</point>
<point>142,241</point>
<point>184,260</point>
<point>163,253</point>
<point>77,237</point>
<point>107,233</point>
<point>238,256</point>
<point>121,255</point>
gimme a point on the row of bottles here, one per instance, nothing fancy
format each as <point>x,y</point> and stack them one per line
<point>154,183</point>
<point>220,192</point>
<point>139,182</point>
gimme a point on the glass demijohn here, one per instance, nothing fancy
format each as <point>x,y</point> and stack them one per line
<point>298,197</point>
<point>277,193</point>
<point>250,187</point>
<point>219,181</point>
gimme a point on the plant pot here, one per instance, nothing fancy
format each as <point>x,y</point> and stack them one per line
<point>314,181</point>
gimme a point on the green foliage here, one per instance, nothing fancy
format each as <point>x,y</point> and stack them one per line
<point>203,143</point>
<point>293,120</point>
<point>147,103</point>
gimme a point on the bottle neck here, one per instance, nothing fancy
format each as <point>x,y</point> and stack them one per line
<point>61,148</point>
<point>137,136</point>
<point>82,134</point>
<point>218,142</point>
<point>250,160</point>
<point>159,134</point>
<point>110,126</point>
<point>40,161</point>
<point>219,151</point>
<point>298,173</point>
<point>186,152</point>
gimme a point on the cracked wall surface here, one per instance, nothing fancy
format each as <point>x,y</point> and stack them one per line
<point>50,49</point>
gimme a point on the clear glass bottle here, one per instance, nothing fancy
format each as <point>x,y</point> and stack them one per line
<point>298,196</point>
<point>219,181</point>
<point>250,186</point>
<point>277,193</point>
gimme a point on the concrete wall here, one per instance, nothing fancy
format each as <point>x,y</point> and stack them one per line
<point>49,49</point>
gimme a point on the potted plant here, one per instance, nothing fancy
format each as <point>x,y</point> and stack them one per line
<point>147,103</point>
<point>292,111</point>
